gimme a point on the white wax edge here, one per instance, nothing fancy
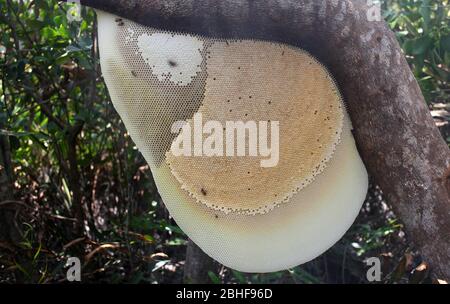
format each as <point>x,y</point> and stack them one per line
<point>295,233</point>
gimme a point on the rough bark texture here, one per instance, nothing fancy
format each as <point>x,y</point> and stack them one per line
<point>9,234</point>
<point>398,141</point>
<point>197,265</point>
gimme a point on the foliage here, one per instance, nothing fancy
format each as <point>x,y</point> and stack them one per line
<point>422,28</point>
<point>75,167</point>
<point>81,188</point>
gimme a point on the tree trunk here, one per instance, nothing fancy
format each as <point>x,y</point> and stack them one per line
<point>395,133</point>
<point>74,178</point>
<point>197,265</point>
<point>8,228</point>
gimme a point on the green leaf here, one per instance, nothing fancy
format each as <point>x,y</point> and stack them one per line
<point>58,20</point>
<point>425,12</point>
<point>48,33</point>
<point>239,276</point>
<point>22,134</point>
<point>149,238</point>
<point>35,24</point>
<point>409,25</point>
<point>83,115</point>
<point>418,46</point>
<point>214,278</point>
<point>419,63</point>
<point>64,58</point>
<point>38,251</point>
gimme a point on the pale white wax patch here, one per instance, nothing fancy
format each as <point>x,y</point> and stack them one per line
<point>176,58</point>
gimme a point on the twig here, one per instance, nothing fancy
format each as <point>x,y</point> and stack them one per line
<point>74,242</point>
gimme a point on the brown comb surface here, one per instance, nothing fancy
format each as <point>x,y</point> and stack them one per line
<point>262,81</point>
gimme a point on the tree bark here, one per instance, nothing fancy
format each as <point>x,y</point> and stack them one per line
<point>197,265</point>
<point>395,133</point>
<point>8,227</point>
<point>74,178</point>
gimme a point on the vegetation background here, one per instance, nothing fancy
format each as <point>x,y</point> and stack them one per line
<point>72,182</point>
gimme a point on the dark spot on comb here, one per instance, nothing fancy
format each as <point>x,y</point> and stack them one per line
<point>203,191</point>
<point>133,73</point>
<point>172,63</point>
